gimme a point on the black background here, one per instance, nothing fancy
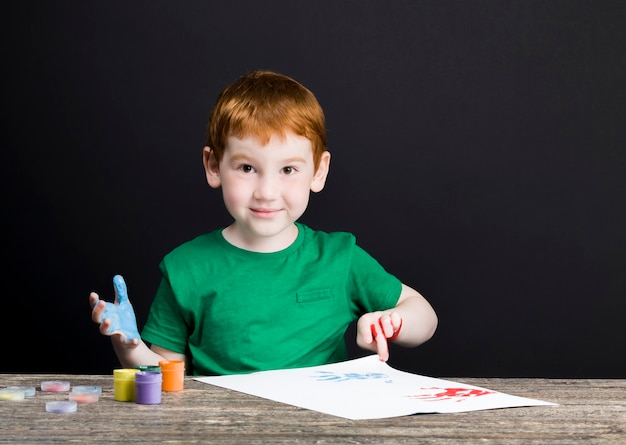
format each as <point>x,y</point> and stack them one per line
<point>479,153</point>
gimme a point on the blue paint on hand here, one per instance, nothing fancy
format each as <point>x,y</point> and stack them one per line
<point>121,313</point>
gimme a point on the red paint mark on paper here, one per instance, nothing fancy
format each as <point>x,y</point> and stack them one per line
<point>454,394</point>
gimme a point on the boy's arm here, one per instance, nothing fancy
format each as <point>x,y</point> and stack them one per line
<point>410,323</point>
<point>140,354</point>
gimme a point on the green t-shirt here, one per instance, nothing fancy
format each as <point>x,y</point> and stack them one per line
<point>235,311</point>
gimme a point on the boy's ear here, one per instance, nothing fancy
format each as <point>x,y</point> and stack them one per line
<point>211,167</point>
<point>319,178</point>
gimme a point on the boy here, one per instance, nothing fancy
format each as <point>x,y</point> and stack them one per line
<point>266,292</point>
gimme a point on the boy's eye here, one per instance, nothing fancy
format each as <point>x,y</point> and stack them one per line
<point>246,168</point>
<point>288,170</point>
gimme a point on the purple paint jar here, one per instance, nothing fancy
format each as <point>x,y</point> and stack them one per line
<point>148,387</point>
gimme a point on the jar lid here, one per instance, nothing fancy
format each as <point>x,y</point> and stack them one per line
<point>148,377</point>
<point>152,368</point>
<point>125,373</point>
<point>29,391</point>
<point>172,365</point>
<point>87,389</point>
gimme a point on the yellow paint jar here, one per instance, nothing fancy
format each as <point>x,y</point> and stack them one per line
<point>124,384</point>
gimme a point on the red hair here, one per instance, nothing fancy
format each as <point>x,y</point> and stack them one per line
<point>261,104</point>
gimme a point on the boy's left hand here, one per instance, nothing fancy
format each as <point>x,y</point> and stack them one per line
<point>375,329</point>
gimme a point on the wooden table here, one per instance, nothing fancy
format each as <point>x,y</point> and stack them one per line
<point>589,412</point>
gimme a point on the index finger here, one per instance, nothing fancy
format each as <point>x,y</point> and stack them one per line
<point>121,293</point>
<point>381,343</point>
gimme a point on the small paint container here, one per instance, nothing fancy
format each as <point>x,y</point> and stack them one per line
<point>85,394</point>
<point>55,386</point>
<point>67,406</point>
<point>173,375</point>
<point>12,395</point>
<point>124,384</point>
<point>29,391</point>
<point>149,368</point>
<point>148,387</point>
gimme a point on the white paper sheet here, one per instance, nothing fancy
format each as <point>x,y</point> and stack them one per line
<point>366,388</point>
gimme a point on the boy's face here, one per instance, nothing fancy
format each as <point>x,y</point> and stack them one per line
<point>266,188</point>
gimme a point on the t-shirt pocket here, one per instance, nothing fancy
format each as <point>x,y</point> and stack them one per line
<point>309,296</point>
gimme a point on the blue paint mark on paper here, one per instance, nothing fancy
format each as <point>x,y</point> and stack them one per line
<point>329,376</point>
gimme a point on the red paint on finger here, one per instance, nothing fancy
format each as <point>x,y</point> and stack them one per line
<point>395,334</point>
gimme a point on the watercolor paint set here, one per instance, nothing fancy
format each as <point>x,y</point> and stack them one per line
<point>143,385</point>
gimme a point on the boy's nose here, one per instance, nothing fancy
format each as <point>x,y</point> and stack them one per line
<point>267,187</point>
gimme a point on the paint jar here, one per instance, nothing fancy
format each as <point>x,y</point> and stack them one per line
<point>150,368</point>
<point>173,374</point>
<point>86,394</point>
<point>55,386</point>
<point>148,387</point>
<point>66,406</point>
<point>12,394</point>
<point>124,384</point>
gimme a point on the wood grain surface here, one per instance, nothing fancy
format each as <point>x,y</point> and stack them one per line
<point>589,411</point>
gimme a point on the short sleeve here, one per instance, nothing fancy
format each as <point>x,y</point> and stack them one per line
<point>371,287</point>
<point>166,326</point>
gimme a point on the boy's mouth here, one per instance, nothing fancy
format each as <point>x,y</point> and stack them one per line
<point>265,213</point>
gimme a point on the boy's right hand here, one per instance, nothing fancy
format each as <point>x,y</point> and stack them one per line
<point>116,319</point>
